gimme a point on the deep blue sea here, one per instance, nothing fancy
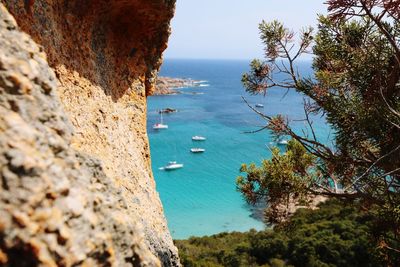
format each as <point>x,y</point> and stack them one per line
<point>201,199</point>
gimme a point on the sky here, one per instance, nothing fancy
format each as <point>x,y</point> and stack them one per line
<point>228,29</point>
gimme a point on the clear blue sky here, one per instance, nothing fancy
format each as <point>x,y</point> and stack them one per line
<point>228,29</point>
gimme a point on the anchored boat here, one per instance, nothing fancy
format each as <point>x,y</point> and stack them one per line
<point>198,138</point>
<point>173,165</point>
<point>161,125</point>
<point>197,150</point>
<point>283,142</point>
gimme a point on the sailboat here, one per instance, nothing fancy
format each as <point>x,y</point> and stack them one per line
<point>160,126</point>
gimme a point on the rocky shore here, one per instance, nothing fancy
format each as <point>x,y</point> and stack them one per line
<point>170,86</point>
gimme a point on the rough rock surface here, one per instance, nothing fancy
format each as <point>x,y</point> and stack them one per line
<point>76,179</point>
<point>168,86</point>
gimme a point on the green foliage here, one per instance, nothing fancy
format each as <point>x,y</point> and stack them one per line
<point>356,87</point>
<point>278,178</point>
<point>334,235</point>
<point>252,81</point>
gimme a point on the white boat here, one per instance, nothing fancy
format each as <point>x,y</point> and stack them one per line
<point>197,150</point>
<point>173,165</point>
<point>283,142</point>
<point>259,105</point>
<point>161,125</point>
<point>198,138</point>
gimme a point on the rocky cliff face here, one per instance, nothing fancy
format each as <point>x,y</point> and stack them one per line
<point>76,179</point>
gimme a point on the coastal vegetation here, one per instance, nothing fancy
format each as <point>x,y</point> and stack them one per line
<point>336,234</point>
<point>356,87</point>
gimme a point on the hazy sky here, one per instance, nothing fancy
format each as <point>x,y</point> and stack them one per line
<point>228,29</point>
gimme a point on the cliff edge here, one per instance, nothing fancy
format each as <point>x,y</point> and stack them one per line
<point>77,186</point>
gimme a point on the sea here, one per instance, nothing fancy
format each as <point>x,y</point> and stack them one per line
<point>201,198</point>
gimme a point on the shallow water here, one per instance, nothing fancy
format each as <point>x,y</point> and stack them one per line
<point>200,199</point>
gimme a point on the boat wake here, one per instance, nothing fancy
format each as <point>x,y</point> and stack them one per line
<point>200,82</point>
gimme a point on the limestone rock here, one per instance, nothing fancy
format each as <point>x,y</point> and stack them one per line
<point>169,86</point>
<point>77,187</point>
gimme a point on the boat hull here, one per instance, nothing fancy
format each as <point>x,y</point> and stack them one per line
<point>160,127</point>
<point>198,138</point>
<point>197,150</point>
<point>175,167</point>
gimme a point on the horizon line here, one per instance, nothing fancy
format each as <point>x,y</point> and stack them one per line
<point>232,59</point>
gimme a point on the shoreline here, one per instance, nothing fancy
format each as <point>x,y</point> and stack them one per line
<point>171,86</point>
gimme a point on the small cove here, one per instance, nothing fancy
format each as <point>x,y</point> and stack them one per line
<point>200,199</point>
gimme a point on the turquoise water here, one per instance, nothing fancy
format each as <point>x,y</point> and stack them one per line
<point>200,199</point>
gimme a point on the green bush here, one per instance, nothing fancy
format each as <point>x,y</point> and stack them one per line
<point>336,234</point>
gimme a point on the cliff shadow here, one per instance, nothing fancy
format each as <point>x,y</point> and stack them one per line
<point>116,45</point>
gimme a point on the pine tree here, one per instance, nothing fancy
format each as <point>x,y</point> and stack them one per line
<point>356,86</point>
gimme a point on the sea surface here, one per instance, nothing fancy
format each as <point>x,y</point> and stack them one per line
<point>201,198</point>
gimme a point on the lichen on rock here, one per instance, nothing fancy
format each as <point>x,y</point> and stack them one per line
<point>76,179</point>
